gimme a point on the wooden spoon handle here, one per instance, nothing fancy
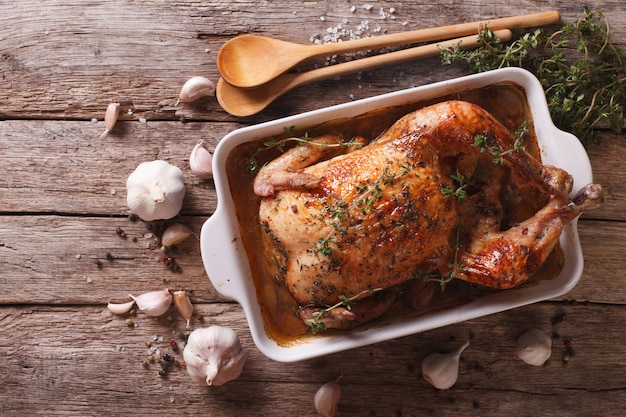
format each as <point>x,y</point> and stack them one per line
<point>438,33</point>
<point>397,57</point>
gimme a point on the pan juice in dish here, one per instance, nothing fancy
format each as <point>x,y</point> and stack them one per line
<point>288,319</point>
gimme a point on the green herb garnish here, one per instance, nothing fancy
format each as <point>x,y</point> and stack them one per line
<point>581,70</point>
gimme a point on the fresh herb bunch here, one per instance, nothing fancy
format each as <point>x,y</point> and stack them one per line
<point>580,69</point>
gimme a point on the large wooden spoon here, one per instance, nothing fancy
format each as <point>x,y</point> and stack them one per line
<point>249,60</point>
<point>248,101</point>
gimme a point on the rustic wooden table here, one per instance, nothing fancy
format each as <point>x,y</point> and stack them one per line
<point>62,197</point>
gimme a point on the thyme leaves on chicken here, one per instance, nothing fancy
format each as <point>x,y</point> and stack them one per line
<point>316,324</point>
<point>579,67</point>
<point>323,245</point>
<point>459,188</point>
<point>482,142</point>
<point>455,266</point>
<point>288,139</point>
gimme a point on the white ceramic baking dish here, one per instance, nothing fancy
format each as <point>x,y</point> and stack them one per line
<point>228,268</point>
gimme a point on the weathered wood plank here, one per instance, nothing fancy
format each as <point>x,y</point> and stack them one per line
<point>50,165</point>
<point>64,366</point>
<point>53,260</point>
<point>72,58</point>
<point>68,260</point>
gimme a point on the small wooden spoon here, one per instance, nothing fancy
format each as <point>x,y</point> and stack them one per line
<point>248,101</point>
<point>249,61</point>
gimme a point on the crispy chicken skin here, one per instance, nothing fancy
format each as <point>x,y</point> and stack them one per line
<point>377,215</point>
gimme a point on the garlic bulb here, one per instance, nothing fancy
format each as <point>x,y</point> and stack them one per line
<point>214,356</point>
<point>327,398</point>
<point>441,370</point>
<point>154,303</point>
<point>534,347</point>
<point>195,88</point>
<point>183,305</point>
<point>155,190</point>
<point>201,161</point>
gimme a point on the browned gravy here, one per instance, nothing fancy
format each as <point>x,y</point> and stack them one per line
<point>507,102</point>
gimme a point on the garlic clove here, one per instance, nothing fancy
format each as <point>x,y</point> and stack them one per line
<point>120,308</point>
<point>110,118</point>
<point>175,234</point>
<point>327,398</point>
<point>534,347</point>
<point>154,303</point>
<point>155,190</point>
<point>195,88</point>
<point>201,161</point>
<point>183,305</point>
<point>214,356</point>
<point>441,370</point>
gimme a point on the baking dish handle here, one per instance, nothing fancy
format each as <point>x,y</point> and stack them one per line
<point>224,256</point>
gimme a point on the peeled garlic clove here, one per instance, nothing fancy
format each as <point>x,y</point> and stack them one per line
<point>175,234</point>
<point>183,305</point>
<point>534,347</point>
<point>154,303</point>
<point>327,398</point>
<point>195,88</point>
<point>214,356</point>
<point>155,190</point>
<point>201,161</point>
<point>120,308</point>
<point>441,370</point>
<point>110,118</point>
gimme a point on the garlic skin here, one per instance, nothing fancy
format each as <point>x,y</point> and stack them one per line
<point>183,305</point>
<point>327,398</point>
<point>154,303</point>
<point>175,234</point>
<point>441,370</point>
<point>201,161</point>
<point>110,118</point>
<point>214,356</point>
<point>195,88</point>
<point>120,308</point>
<point>534,347</point>
<point>155,190</point>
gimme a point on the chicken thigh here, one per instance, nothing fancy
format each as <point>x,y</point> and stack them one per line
<point>423,196</point>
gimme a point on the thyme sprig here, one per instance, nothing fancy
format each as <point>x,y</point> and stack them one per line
<point>481,141</point>
<point>288,139</point>
<point>455,266</point>
<point>316,324</point>
<point>580,68</point>
<point>459,188</point>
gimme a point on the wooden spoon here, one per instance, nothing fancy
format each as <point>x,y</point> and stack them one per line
<point>249,61</point>
<point>248,101</point>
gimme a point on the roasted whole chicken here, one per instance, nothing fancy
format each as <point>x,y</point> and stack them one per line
<point>441,194</point>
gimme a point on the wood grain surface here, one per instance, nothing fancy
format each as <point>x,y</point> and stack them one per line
<point>62,197</point>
